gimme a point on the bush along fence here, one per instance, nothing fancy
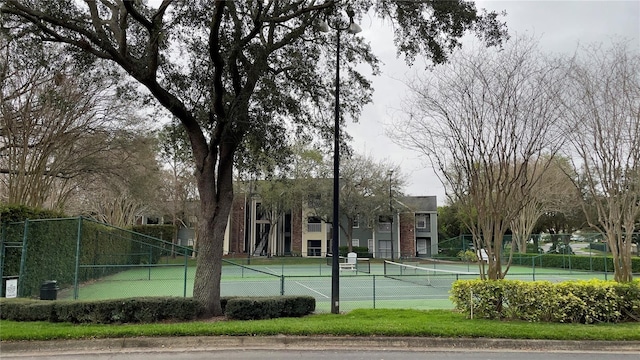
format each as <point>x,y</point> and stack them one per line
<point>592,263</point>
<point>152,309</point>
<point>586,302</point>
<point>461,249</point>
<point>74,250</point>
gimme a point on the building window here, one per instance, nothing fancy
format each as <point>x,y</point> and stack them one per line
<point>356,222</point>
<point>384,224</point>
<point>314,224</point>
<point>314,247</point>
<point>314,201</point>
<point>423,222</point>
<point>384,249</point>
<point>355,242</point>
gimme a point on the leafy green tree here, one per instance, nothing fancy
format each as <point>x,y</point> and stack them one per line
<point>237,73</point>
<point>449,224</point>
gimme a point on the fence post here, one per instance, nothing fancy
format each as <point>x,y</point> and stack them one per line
<point>186,267</point>
<point>150,260</point>
<point>606,248</point>
<point>77,272</point>
<point>374,292</point>
<point>533,267</point>
<point>281,284</point>
<point>23,258</point>
<point>2,255</point>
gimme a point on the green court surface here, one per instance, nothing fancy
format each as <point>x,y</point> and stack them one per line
<point>415,289</point>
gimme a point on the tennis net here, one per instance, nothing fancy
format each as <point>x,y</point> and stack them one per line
<point>424,276</point>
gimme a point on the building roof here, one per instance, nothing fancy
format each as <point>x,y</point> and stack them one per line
<point>419,203</point>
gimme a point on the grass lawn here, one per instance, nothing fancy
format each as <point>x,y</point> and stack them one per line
<point>362,322</point>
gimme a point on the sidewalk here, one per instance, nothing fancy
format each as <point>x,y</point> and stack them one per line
<point>305,342</point>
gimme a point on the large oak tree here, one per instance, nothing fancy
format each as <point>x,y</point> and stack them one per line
<point>234,72</point>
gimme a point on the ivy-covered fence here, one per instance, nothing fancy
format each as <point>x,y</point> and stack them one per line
<point>75,250</point>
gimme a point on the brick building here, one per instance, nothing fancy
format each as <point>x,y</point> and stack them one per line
<point>411,233</point>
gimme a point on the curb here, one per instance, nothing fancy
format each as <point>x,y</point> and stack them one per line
<point>168,344</point>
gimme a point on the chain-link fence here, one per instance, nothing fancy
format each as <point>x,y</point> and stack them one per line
<point>90,260</point>
<point>74,252</point>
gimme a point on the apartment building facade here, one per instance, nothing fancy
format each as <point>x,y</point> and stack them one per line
<point>253,231</point>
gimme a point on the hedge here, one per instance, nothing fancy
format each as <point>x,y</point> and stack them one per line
<point>574,262</point>
<point>131,310</point>
<point>18,213</point>
<point>151,309</point>
<point>255,308</point>
<point>52,244</point>
<point>585,302</point>
<point>51,252</point>
<point>361,251</point>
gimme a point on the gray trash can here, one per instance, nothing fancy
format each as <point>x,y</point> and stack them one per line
<point>49,290</point>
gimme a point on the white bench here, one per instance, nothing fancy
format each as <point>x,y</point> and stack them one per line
<point>347,266</point>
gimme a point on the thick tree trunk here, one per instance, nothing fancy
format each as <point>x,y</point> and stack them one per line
<point>215,207</point>
<point>621,253</point>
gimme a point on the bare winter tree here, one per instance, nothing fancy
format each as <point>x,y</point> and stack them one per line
<point>486,121</point>
<point>604,103</point>
<point>126,184</point>
<point>178,188</point>
<point>554,192</point>
<point>58,127</point>
<point>364,192</point>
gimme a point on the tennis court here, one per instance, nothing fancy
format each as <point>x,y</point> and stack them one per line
<point>374,285</point>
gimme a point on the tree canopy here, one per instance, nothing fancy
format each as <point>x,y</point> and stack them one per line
<point>241,76</point>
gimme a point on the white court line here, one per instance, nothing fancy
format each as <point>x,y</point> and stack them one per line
<point>272,271</point>
<point>308,288</point>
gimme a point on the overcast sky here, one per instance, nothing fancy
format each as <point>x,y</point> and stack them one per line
<point>560,25</point>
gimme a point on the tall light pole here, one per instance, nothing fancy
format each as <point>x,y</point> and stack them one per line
<point>352,28</point>
<point>390,173</point>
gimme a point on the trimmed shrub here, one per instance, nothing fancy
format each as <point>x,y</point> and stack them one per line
<point>18,213</point>
<point>361,251</point>
<point>297,306</point>
<point>133,310</point>
<point>584,302</point>
<point>26,310</point>
<point>255,308</point>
